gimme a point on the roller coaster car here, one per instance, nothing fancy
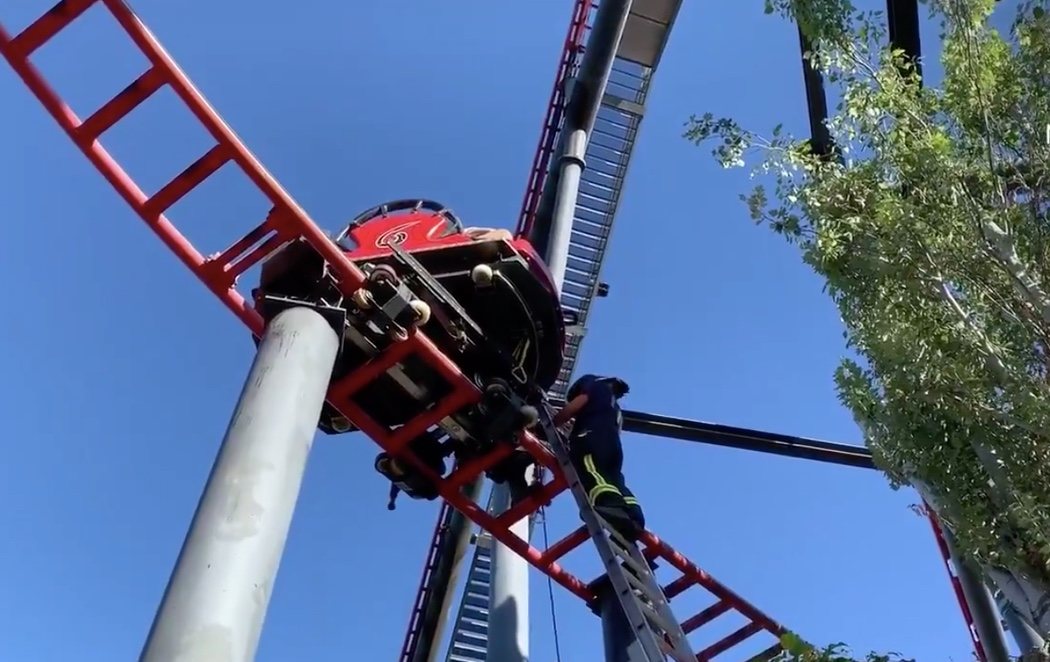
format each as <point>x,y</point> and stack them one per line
<point>485,298</point>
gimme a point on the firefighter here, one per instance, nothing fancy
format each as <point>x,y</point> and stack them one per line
<point>596,452</point>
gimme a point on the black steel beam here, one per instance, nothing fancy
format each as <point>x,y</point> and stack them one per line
<point>903,19</point>
<point>816,103</point>
<point>743,438</point>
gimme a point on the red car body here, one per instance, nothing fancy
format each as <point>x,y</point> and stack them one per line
<point>421,230</point>
<point>519,314</point>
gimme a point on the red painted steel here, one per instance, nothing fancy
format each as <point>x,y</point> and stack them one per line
<point>946,556</point>
<point>552,120</point>
<point>287,222</point>
<point>416,617</point>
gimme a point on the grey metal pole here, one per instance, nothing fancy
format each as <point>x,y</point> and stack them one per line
<point>982,605</point>
<point>215,602</point>
<point>571,165</point>
<point>509,585</point>
<point>508,592</point>
<point>621,645</point>
<point>1024,635</point>
<point>581,112</point>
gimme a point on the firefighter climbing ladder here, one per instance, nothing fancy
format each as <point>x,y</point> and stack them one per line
<point>288,222</point>
<point>643,602</point>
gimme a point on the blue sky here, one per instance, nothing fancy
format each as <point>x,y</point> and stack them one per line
<point>120,371</point>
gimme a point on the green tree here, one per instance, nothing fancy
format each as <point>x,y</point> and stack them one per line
<point>929,225</point>
<point>795,649</point>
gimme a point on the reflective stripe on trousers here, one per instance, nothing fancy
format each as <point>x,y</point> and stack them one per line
<point>601,486</point>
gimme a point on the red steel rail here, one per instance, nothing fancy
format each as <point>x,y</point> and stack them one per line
<point>415,620</point>
<point>946,556</point>
<point>288,222</point>
<point>555,109</point>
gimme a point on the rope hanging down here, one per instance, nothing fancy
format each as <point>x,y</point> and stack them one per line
<point>550,589</point>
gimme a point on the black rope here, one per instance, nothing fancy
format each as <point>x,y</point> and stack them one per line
<point>550,590</point>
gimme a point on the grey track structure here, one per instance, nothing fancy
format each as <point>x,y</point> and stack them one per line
<point>607,158</point>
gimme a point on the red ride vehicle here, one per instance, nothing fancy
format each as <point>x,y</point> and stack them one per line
<point>484,297</point>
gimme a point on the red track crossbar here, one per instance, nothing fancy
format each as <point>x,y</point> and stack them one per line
<point>287,222</point>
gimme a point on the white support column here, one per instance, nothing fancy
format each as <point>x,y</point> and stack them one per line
<point>508,592</point>
<point>215,602</point>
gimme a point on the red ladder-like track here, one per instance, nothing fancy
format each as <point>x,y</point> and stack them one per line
<point>946,556</point>
<point>416,618</point>
<point>289,222</point>
<point>555,110</point>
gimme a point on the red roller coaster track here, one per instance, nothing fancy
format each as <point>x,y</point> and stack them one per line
<point>288,222</point>
<point>552,120</point>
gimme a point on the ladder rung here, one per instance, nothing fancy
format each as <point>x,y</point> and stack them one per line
<point>593,205</point>
<point>656,618</point>
<point>595,217</point>
<point>608,184</point>
<point>187,180</point>
<point>357,379</point>
<point>768,654</point>
<point>579,289</point>
<point>566,544</point>
<point>470,647</point>
<point>582,263</point>
<point>580,225</point>
<point>644,588</point>
<point>636,569</point>
<point>479,597</point>
<point>621,546</point>
<point>729,641</point>
<point>119,106</point>
<point>531,503</point>
<point>578,276</point>
<point>583,241</point>
<point>267,237</point>
<point>48,25</point>
<point>706,616</point>
<point>472,638</point>
<point>447,406</point>
<point>679,586</point>
<point>475,466</point>
<point>370,371</point>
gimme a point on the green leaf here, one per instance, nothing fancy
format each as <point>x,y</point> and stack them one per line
<point>793,644</point>
<point>929,231</point>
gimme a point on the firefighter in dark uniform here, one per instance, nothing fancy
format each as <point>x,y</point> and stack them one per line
<point>596,452</point>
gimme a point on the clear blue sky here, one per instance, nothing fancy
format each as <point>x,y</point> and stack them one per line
<point>119,371</point>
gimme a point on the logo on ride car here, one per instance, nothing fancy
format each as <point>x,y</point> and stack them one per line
<point>395,235</point>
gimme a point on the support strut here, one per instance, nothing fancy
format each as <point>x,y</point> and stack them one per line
<point>508,629</point>
<point>191,604</point>
<point>215,602</point>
